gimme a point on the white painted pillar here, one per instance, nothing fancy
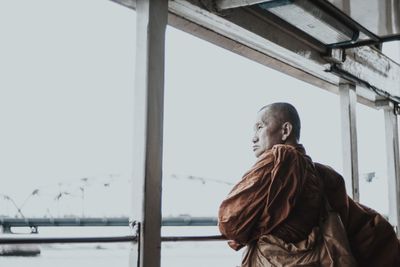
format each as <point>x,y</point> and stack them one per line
<point>348,101</point>
<point>151,17</point>
<point>393,164</point>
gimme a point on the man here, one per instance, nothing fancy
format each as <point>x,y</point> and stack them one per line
<point>280,199</point>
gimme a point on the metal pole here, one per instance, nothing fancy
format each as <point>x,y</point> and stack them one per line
<point>393,164</point>
<point>102,239</point>
<point>151,17</point>
<point>348,101</point>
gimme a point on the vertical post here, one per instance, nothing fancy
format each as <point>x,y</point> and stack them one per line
<point>5,229</point>
<point>151,18</point>
<point>393,164</point>
<point>348,101</point>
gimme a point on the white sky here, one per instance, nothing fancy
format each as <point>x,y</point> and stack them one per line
<point>66,94</point>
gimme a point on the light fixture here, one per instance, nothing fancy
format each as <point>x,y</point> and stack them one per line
<point>310,18</point>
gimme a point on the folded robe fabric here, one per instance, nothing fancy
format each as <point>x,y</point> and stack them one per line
<point>281,195</point>
<point>372,238</point>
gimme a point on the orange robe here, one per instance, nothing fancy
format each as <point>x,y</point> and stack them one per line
<point>372,239</point>
<point>281,195</point>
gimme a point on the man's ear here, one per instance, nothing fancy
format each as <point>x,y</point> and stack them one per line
<point>287,128</point>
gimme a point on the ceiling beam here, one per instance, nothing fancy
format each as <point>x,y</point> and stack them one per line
<point>226,4</point>
<point>263,39</point>
<point>248,35</point>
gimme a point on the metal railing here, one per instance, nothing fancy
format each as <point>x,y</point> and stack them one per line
<point>123,221</point>
<point>117,221</point>
<point>104,239</point>
<point>66,240</point>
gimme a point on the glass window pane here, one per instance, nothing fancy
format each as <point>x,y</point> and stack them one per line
<point>372,158</point>
<point>65,107</point>
<point>211,101</point>
<point>101,255</point>
<point>93,254</point>
<point>66,122</point>
<point>196,254</point>
<point>212,97</point>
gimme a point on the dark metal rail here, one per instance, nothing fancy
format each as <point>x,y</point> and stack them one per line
<point>108,239</point>
<point>123,221</point>
<point>61,240</point>
<point>192,238</point>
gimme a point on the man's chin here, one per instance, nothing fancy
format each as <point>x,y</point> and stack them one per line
<point>258,153</point>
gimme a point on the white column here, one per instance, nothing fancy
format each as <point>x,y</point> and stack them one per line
<point>348,101</point>
<point>151,17</point>
<point>393,164</point>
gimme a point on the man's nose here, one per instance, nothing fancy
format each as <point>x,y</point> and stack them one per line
<point>255,139</point>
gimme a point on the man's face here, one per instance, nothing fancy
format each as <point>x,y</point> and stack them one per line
<point>267,132</point>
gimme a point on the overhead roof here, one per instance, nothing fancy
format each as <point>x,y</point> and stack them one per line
<point>245,28</point>
<point>381,17</point>
<point>348,23</point>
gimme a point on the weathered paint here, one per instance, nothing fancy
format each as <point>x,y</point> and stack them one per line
<point>349,139</point>
<point>151,24</point>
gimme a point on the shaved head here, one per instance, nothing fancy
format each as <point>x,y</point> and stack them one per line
<point>283,112</point>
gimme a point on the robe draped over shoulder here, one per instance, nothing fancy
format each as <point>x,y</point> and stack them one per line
<point>279,195</point>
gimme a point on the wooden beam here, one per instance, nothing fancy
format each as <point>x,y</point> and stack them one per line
<point>393,164</point>
<point>226,4</point>
<point>370,65</point>
<point>151,17</point>
<point>248,32</point>
<point>348,101</point>
<point>287,52</point>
